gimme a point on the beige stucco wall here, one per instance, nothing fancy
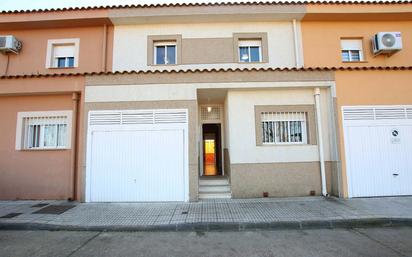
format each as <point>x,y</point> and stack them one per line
<point>241,119</point>
<point>191,105</point>
<point>369,88</point>
<point>130,43</point>
<point>289,170</point>
<point>278,179</point>
<point>32,174</point>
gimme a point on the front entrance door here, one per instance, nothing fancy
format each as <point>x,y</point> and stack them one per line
<point>212,150</point>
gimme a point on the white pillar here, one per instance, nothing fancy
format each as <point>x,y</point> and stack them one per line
<point>295,41</point>
<point>320,141</point>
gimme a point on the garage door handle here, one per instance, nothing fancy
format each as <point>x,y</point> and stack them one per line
<point>395,174</point>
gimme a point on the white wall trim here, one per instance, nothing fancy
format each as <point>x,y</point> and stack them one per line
<point>182,91</point>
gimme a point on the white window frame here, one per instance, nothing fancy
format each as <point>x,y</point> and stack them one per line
<point>21,136</point>
<point>285,117</point>
<point>250,43</point>
<point>165,44</point>
<point>352,45</point>
<point>51,61</point>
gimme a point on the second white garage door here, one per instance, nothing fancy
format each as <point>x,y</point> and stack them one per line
<point>137,156</point>
<point>378,150</point>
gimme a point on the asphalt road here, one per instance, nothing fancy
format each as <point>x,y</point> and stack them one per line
<point>324,242</point>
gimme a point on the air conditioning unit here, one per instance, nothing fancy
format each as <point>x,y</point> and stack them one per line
<point>9,44</point>
<point>387,43</point>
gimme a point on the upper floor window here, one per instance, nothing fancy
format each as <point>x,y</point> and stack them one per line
<point>250,47</point>
<point>63,56</point>
<point>62,53</point>
<point>165,52</point>
<point>164,49</point>
<point>250,50</point>
<point>351,50</point>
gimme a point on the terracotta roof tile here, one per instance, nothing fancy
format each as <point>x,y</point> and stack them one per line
<point>208,71</point>
<point>223,3</point>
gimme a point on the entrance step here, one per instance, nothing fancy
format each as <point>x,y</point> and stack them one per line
<point>213,181</point>
<point>214,188</point>
<point>215,196</point>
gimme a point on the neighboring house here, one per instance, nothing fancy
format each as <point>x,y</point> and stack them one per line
<point>194,101</point>
<point>373,97</point>
<point>41,101</point>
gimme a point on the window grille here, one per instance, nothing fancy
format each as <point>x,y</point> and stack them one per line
<point>284,127</point>
<point>211,113</point>
<point>45,132</point>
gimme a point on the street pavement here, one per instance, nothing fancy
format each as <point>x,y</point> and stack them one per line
<point>373,242</point>
<point>211,215</point>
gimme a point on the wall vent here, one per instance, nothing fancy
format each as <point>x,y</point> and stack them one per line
<point>377,113</point>
<point>141,117</point>
<point>358,114</point>
<point>170,117</point>
<point>409,112</point>
<point>105,118</point>
<point>130,117</point>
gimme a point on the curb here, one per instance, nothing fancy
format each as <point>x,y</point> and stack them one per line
<point>210,227</point>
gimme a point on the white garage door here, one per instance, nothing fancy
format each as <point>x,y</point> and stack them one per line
<point>136,156</point>
<point>378,150</point>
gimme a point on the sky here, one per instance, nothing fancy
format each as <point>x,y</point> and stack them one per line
<point>7,5</point>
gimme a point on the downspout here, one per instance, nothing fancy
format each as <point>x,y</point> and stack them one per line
<point>320,141</point>
<point>104,49</point>
<point>295,41</point>
<point>75,98</point>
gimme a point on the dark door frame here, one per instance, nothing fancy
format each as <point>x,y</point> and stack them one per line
<point>208,128</point>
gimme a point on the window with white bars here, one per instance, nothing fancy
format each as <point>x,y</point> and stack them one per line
<point>47,130</point>
<point>284,127</point>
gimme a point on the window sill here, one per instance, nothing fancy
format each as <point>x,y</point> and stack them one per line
<point>281,145</point>
<point>251,62</point>
<point>61,68</point>
<point>43,149</point>
<point>164,65</point>
<point>354,61</point>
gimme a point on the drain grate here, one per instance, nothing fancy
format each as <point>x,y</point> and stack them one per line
<point>39,205</point>
<point>54,209</point>
<point>185,212</point>
<point>10,215</point>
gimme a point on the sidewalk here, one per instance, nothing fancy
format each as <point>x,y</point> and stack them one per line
<point>230,214</point>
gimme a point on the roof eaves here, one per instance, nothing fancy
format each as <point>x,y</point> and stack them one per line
<point>136,72</point>
<point>282,2</point>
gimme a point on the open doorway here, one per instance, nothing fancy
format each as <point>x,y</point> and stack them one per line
<point>212,150</point>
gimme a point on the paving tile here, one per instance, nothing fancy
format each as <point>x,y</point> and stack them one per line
<point>218,210</point>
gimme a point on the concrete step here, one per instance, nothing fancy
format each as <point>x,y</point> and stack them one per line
<point>215,195</point>
<point>213,181</point>
<point>214,189</point>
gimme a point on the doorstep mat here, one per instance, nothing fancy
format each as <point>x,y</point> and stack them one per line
<point>10,215</point>
<point>54,209</point>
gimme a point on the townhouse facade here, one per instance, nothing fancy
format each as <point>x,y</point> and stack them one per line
<point>194,101</point>
<point>373,92</point>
